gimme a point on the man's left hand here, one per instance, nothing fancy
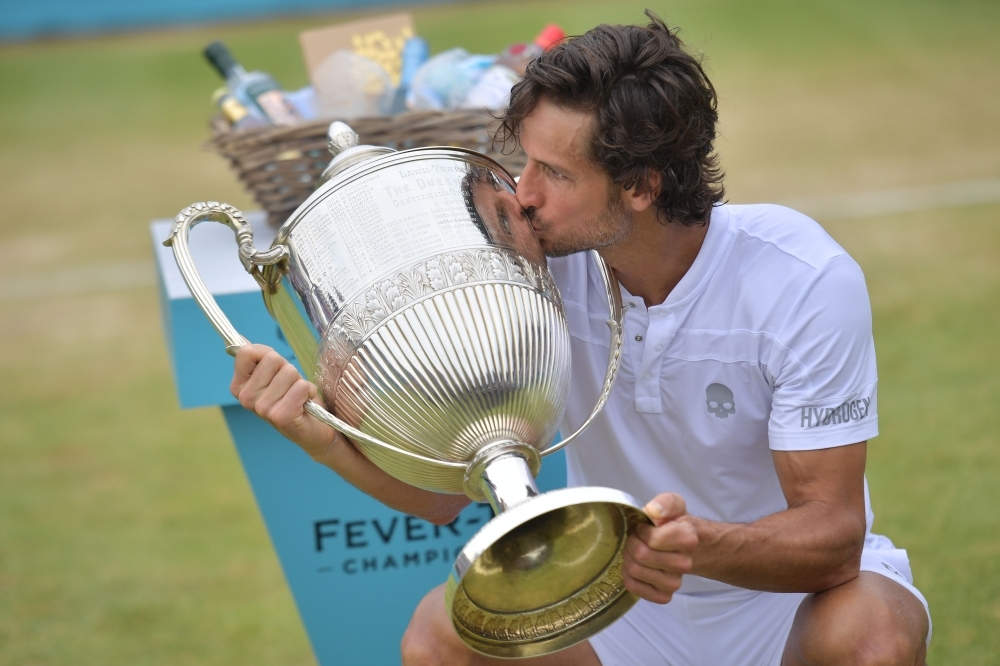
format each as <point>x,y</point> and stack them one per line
<point>657,555</point>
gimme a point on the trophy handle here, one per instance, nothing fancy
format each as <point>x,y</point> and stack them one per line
<point>617,325</point>
<point>252,260</point>
<point>250,257</point>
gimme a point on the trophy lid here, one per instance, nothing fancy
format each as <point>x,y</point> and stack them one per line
<point>343,145</point>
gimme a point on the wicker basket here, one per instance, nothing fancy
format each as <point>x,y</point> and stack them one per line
<point>280,165</point>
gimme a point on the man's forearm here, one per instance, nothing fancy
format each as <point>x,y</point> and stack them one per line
<point>363,474</point>
<point>267,384</point>
<point>808,548</point>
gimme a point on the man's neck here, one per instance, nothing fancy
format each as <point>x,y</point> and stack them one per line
<point>654,257</point>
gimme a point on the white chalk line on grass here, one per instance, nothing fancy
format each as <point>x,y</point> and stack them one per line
<point>125,275</point>
<point>890,202</point>
<point>77,280</point>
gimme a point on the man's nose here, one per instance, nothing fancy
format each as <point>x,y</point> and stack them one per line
<point>528,194</point>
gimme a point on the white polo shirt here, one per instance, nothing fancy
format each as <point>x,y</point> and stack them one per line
<point>766,343</point>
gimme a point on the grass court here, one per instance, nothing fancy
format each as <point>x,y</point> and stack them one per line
<point>128,533</point>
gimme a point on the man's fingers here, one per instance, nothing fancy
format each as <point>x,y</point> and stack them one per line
<point>677,535</point>
<point>653,575</point>
<point>290,410</point>
<point>263,373</point>
<point>247,358</point>
<point>664,507</point>
<point>646,591</point>
<point>275,395</point>
<point>643,554</point>
<point>303,391</point>
<point>665,581</point>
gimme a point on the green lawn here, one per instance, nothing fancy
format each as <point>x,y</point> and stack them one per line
<point>128,533</point>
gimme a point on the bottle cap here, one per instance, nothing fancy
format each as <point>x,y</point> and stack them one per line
<point>550,36</point>
<point>516,50</point>
<point>220,57</point>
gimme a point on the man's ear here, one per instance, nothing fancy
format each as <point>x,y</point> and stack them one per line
<point>645,192</point>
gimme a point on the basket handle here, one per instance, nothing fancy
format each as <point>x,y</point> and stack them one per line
<point>252,260</point>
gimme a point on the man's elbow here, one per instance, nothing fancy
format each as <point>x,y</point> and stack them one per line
<point>844,573</point>
<point>441,519</point>
<point>445,510</point>
<point>847,564</point>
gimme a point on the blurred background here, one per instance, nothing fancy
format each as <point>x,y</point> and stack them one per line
<point>128,532</point>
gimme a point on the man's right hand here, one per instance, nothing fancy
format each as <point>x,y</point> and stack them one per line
<point>268,385</point>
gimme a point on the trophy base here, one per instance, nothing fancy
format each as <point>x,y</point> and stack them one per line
<point>545,574</point>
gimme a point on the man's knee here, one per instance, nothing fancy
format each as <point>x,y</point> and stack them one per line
<point>878,645</point>
<point>420,645</point>
<point>430,638</point>
<point>869,622</point>
<point>417,649</point>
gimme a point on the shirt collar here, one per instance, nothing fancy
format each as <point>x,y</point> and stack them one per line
<point>705,264</point>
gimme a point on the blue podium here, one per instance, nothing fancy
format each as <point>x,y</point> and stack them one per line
<point>356,568</point>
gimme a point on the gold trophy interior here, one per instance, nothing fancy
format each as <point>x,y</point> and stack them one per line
<point>415,295</point>
<point>545,573</point>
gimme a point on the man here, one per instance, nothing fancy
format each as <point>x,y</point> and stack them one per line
<point>744,403</point>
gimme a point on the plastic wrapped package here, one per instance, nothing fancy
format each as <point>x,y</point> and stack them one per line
<point>444,81</point>
<point>352,86</point>
<point>304,101</point>
<point>492,91</point>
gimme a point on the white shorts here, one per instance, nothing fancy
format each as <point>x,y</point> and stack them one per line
<point>735,627</point>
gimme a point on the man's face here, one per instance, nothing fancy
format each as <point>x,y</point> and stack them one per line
<point>571,202</point>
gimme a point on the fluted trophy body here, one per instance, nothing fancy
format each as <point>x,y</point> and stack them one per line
<point>415,295</point>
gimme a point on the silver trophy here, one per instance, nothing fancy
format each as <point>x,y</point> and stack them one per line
<point>415,295</point>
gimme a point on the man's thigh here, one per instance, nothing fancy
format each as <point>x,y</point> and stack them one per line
<point>732,627</point>
<point>745,627</point>
<point>740,628</point>
<point>431,640</point>
<point>869,620</point>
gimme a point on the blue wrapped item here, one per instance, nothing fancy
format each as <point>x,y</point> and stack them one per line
<point>415,53</point>
<point>444,81</point>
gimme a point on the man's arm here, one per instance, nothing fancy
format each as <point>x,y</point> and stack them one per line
<point>813,545</point>
<point>268,385</point>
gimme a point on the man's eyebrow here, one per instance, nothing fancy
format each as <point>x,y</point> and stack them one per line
<point>554,167</point>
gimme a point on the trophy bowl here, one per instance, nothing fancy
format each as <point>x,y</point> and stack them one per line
<point>415,295</point>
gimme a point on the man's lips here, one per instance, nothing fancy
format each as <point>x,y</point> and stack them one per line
<point>531,217</point>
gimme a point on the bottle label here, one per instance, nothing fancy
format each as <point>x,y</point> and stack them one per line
<point>277,108</point>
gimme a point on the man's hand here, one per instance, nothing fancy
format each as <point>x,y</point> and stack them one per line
<point>271,387</point>
<point>657,555</point>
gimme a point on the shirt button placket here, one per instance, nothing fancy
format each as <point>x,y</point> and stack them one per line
<point>638,321</point>
<point>660,331</point>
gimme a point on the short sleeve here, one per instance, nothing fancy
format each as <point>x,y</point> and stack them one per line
<point>825,377</point>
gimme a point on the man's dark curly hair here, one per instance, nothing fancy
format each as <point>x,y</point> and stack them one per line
<point>655,111</point>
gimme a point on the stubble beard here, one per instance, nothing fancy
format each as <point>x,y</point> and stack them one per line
<point>610,227</point>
